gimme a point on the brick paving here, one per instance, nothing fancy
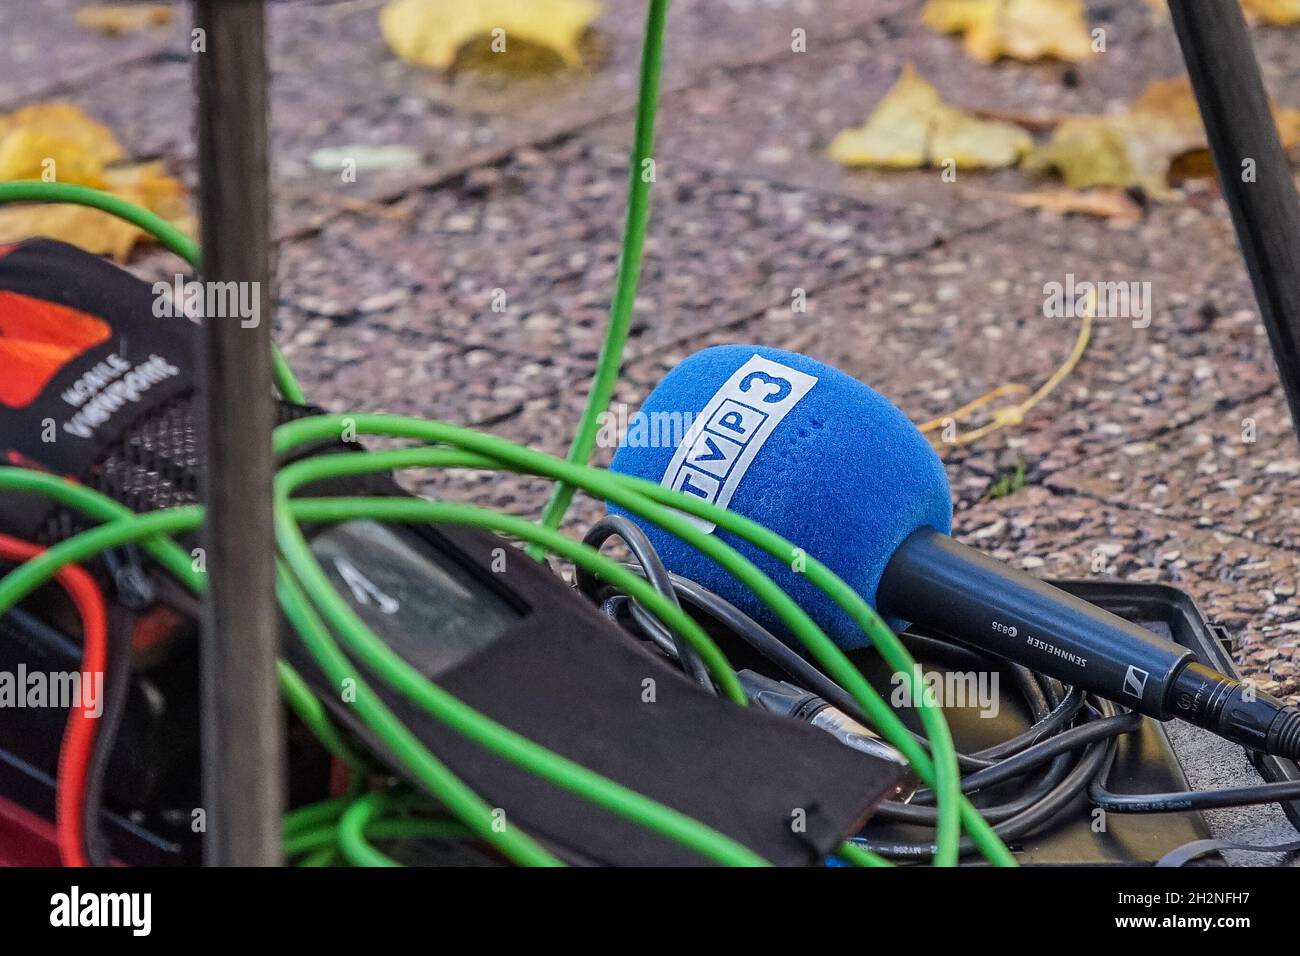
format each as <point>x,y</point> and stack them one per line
<point>1168,455</point>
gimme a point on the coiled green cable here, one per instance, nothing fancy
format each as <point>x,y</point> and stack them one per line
<point>151,531</point>
<point>649,500</point>
<point>358,826</point>
<point>144,527</point>
<point>671,823</point>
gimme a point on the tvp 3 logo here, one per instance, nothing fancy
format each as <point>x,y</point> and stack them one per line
<point>727,435</point>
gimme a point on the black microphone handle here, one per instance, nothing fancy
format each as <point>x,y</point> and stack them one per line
<point>943,584</point>
<point>940,583</point>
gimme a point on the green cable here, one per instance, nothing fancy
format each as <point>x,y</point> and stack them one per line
<point>126,526</point>
<point>308,841</point>
<point>171,238</point>
<point>610,361</point>
<point>314,815</point>
<point>339,613</point>
<point>401,675</point>
<point>634,494</point>
<point>389,425</point>
<point>92,504</point>
<point>309,709</point>
<point>358,826</point>
<point>180,565</point>
<point>71,491</point>
<point>404,746</point>
<point>310,827</point>
<point>149,528</point>
<point>31,574</point>
<point>421,458</point>
<point>326,856</point>
<point>35,190</point>
<point>443,828</point>
<point>352,833</point>
<point>26,577</point>
<point>462,718</point>
<point>860,856</point>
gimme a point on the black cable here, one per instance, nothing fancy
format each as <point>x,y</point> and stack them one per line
<point>808,676</point>
<point>765,643</point>
<point>1066,753</point>
<point>1056,749</point>
<point>1072,739</point>
<point>1053,749</point>
<point>921,645</point>
<point>617,526</point>
<point>1039,692</point>
<point>117,688</point>
<point>926,815</point>
<point>1188,800</point>
<point>1042,812</point>
<point>1060,716</point>
<point>741,625</point>
<point>1189,852</point>
<point>619,605</point>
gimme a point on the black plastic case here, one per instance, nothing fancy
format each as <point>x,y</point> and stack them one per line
<point>1171,611</point>
<point>1146,760</point>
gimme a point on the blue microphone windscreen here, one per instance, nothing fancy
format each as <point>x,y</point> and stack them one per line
<point>799,447</point>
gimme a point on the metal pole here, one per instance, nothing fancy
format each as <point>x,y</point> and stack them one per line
<point>1254,175</point>
<point>243,733</point>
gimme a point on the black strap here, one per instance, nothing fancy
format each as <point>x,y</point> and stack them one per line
<point>1197,849</point>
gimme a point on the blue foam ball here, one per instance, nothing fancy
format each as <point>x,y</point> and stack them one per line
<point>842,473</point>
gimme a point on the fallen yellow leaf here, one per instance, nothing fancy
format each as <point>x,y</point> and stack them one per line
<point>42,154</point>
<point>1280,13</point>
<point>1113,204</point>
<point>118,18</point>
<point>1137,147</point>
<point>432,32</point>
<point>912,127</point>
<point>1019,29</point>
<point>92,230</point>
<point>57,142</point>
<point>61,132</point>
<point>148,185</point>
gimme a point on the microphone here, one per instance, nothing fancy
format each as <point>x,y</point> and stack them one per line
<point>834,467</point>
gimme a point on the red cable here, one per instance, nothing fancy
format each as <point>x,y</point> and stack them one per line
<point>79,738</point>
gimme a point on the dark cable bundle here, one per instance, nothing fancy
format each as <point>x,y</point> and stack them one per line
<point>1067,753</point>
